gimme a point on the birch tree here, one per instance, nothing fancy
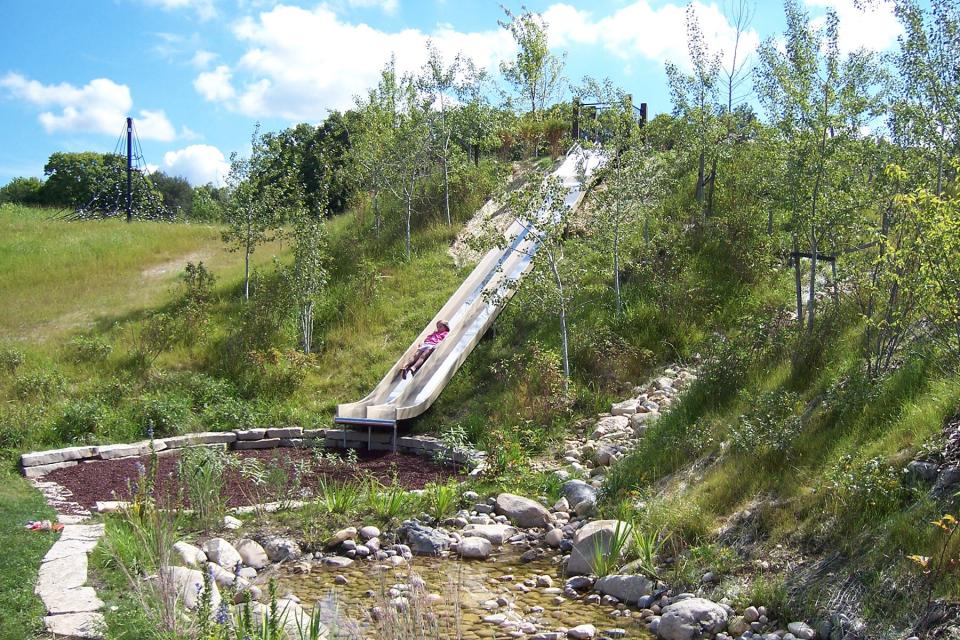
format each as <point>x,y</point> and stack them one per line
<point>535,73</point>
<point>437,82</point>
<point>252,213</point>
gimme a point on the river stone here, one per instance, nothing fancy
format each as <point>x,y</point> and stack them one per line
<point>424,540</point>
<point>919,472</point>
<point>625,408</point>
<point>222,552</point>
<point>576,491</point>
<point>338,562</point>
<point>802,630</point>
<point>496,533</point>
<point>282,549</point>
<point>479,548</point>
<point>691,618</point>
<point>582,632</point>
<point>596,534</point>
<point>608,425</point>
<point>523,512</point>
<point>190,555</point>
<point>554,537</point>
<point>738,626</point>
<point>340,537</point>
<point>627,589</point>
<point>586,508</point>
<point>252,553</point>
<point>187,585</point>
<point>368,532</point>
<point>751,614</point>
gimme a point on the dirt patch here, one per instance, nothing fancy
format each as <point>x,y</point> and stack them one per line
<point>162,270</point>
<point>103,480</point>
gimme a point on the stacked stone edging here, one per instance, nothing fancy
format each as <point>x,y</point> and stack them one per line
<point>39,463</point>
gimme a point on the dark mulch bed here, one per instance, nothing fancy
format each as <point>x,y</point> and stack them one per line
<point>112,479</point>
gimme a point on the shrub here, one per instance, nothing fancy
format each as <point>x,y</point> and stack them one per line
<point>861,491</point>
<point>169,414</point>
<point>81,421</point>
<point>229,413</point>
<point>157,335</point>
<point>537,375</point>
<point>39,384</point>
<point>10,358</point>
<point>771,425</point>
<point>90,349</point>
<point>275,373</point>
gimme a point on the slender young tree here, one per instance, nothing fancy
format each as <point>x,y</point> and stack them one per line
<point>695,98</point>
<point>308,274</point>
<point>252,213</point>
<point>535,73</point>
<point>437,82</point>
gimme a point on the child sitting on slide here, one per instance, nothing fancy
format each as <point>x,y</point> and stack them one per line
<point>426,349</point>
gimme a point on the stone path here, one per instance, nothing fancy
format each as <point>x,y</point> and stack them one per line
<point>73,608</point>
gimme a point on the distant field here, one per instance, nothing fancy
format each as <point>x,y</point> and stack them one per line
<point>57,277</point>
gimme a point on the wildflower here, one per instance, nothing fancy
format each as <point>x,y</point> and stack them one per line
<point>150,431</point>
<point>223,614</point>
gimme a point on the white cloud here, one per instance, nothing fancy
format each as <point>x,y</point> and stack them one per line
<point>875,28</point>
<point>202,59</point>
<point>205,9</point>
<point>215,85</point>
<point>388,6</point>
<point>100,106</point>
<point>198,163</point>
<point>300,63</point>
<point>639,29</point>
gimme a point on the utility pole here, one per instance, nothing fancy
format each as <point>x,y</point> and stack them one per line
<point>129,169</point>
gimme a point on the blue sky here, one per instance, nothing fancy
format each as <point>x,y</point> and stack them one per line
<point>197,74</point>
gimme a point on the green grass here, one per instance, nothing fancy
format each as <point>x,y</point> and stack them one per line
<point>62,276</point>
<point>23,611</point>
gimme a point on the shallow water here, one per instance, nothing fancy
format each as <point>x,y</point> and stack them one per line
<point>472,581</point>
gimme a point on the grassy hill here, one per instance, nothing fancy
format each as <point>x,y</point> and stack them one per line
<point>780,471</point>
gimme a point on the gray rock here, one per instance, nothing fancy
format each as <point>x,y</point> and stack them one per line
<point>282,549</point>
<point>921,472</point>
<point>586,508</point>
<point>625,408</point>
<point>750,614</point>
<point>424,540</point>
<point>598,534</point>
<point>112,451</point>
<point>340,537</point>
<point>496,533</point>
<point>252,554</point>
<point>802,630</point>
<point>523,512</point>
<point>947,480</point>
<point>575,491</point>
<point>582,632</point>
<point>338,562</point>
<point>222,552</point>
<point>190,555</point>
<point>475,548</point>
<point>187,585</point>
<point>368,532</point>
<point>627,589</point>
<point>579,583</point>
<point>690,618</point>
<point>554,537</point>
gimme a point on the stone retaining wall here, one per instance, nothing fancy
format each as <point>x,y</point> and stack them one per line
<point>39,463</point>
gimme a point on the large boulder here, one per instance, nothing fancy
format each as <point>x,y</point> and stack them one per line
<point>252,554</point>
<point>479,548</point>
<point>190,555</point>
<point>423,540</point>
<point>496,533</point>
<point>626,589</point>
<point>186,585</point>
<point>282,549</point>
<point>596,537</point>
<point>608,425</point>
<point>576,491</point>
<point>222,552</point>
<point>521,511</point>
<point>691,618</point>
